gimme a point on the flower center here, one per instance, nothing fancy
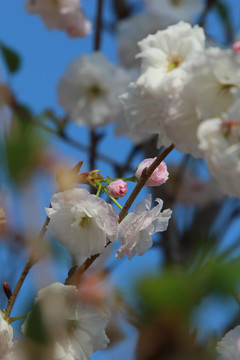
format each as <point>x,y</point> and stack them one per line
<point>71,327</point>
<point>85,222</point>
<point>94,91</point>
<point>174,62</point>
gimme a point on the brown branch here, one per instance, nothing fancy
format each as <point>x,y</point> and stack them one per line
<point>29,264</point>
<point>73,279</point>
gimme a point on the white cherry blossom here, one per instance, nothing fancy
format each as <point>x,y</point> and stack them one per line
<point>137,228</point>
<point>74,328</point>
<point>164,54</point>
<point>61,14</point>
<point>229,347</point>
<point>90,88</point>
<point>83,222</point>
<point>6,338</point>
<point>219,141</point>
<point>217,76</point>
<point>144,113</point>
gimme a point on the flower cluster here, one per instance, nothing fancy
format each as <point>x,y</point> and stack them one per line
<point>165,100</point>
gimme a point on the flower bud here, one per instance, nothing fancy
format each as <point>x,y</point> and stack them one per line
<point>158,177</point>
<point>117,188</point>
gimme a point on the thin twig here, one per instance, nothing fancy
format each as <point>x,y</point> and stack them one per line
<point>29,264</point>
<point>74,278</point>
<point>94,139</point>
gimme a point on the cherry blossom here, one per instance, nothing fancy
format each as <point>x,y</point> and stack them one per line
<point>158,177</point>
<point>75,328</point>
<point>90,88</point>
<point>83,222</point>
<point>117,188</point>
<point>137,228</point>
<point>229,346</point>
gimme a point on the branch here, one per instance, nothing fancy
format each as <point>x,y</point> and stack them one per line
<point>73,279</point>
<point>30,262</point>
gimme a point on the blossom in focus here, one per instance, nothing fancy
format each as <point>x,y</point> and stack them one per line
<point>117,188</point>
<point>137,228</point>
<point>74,328</point>
<point>89,90</point>
<point>216,73</point>
<point>158,177</point>
<point>83,222</point>
<point>6,337</point>
<point>164,54</point>
<point>61,14</point>
<point>219,141</point>
<point>229,346</point>
<point>175,10</point>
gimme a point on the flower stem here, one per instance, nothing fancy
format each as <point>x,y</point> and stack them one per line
<point>99,189</point>
<point>12,319</point>
<point>114,200</point>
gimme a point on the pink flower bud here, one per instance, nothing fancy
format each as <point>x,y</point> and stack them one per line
<point>117,188</point>
<point>236,47</point>
<point>158,177</point>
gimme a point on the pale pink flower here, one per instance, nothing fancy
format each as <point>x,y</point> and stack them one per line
<point>64,15</point>
<point>117,188</point>
<point>236,47</point>
<point>137,228</point>
<point>158,177</point>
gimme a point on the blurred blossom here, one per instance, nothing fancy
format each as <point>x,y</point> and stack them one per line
<point>82,222</point>
<point>61,14</point>
<point>117,188</point>
<point>175,10</point>
<point>75,329</point>
<point>137,228</point>
<point>6,337</point>
<point>220,143</point>
<point>189,190</point>
<point>122,129</point>
<point>229,346</point>
<point>90,89</point>
<point>236,47</point>
<point>158,177</point>
<point>133,29</point>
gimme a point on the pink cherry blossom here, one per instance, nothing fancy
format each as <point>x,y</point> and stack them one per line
<point>117,188</point>
<point>236,47</point>
<point>158,177</point>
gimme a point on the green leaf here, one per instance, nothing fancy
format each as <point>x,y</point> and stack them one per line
<point>23,145</point>
<point>34,328</point>
<point>11,58</point>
